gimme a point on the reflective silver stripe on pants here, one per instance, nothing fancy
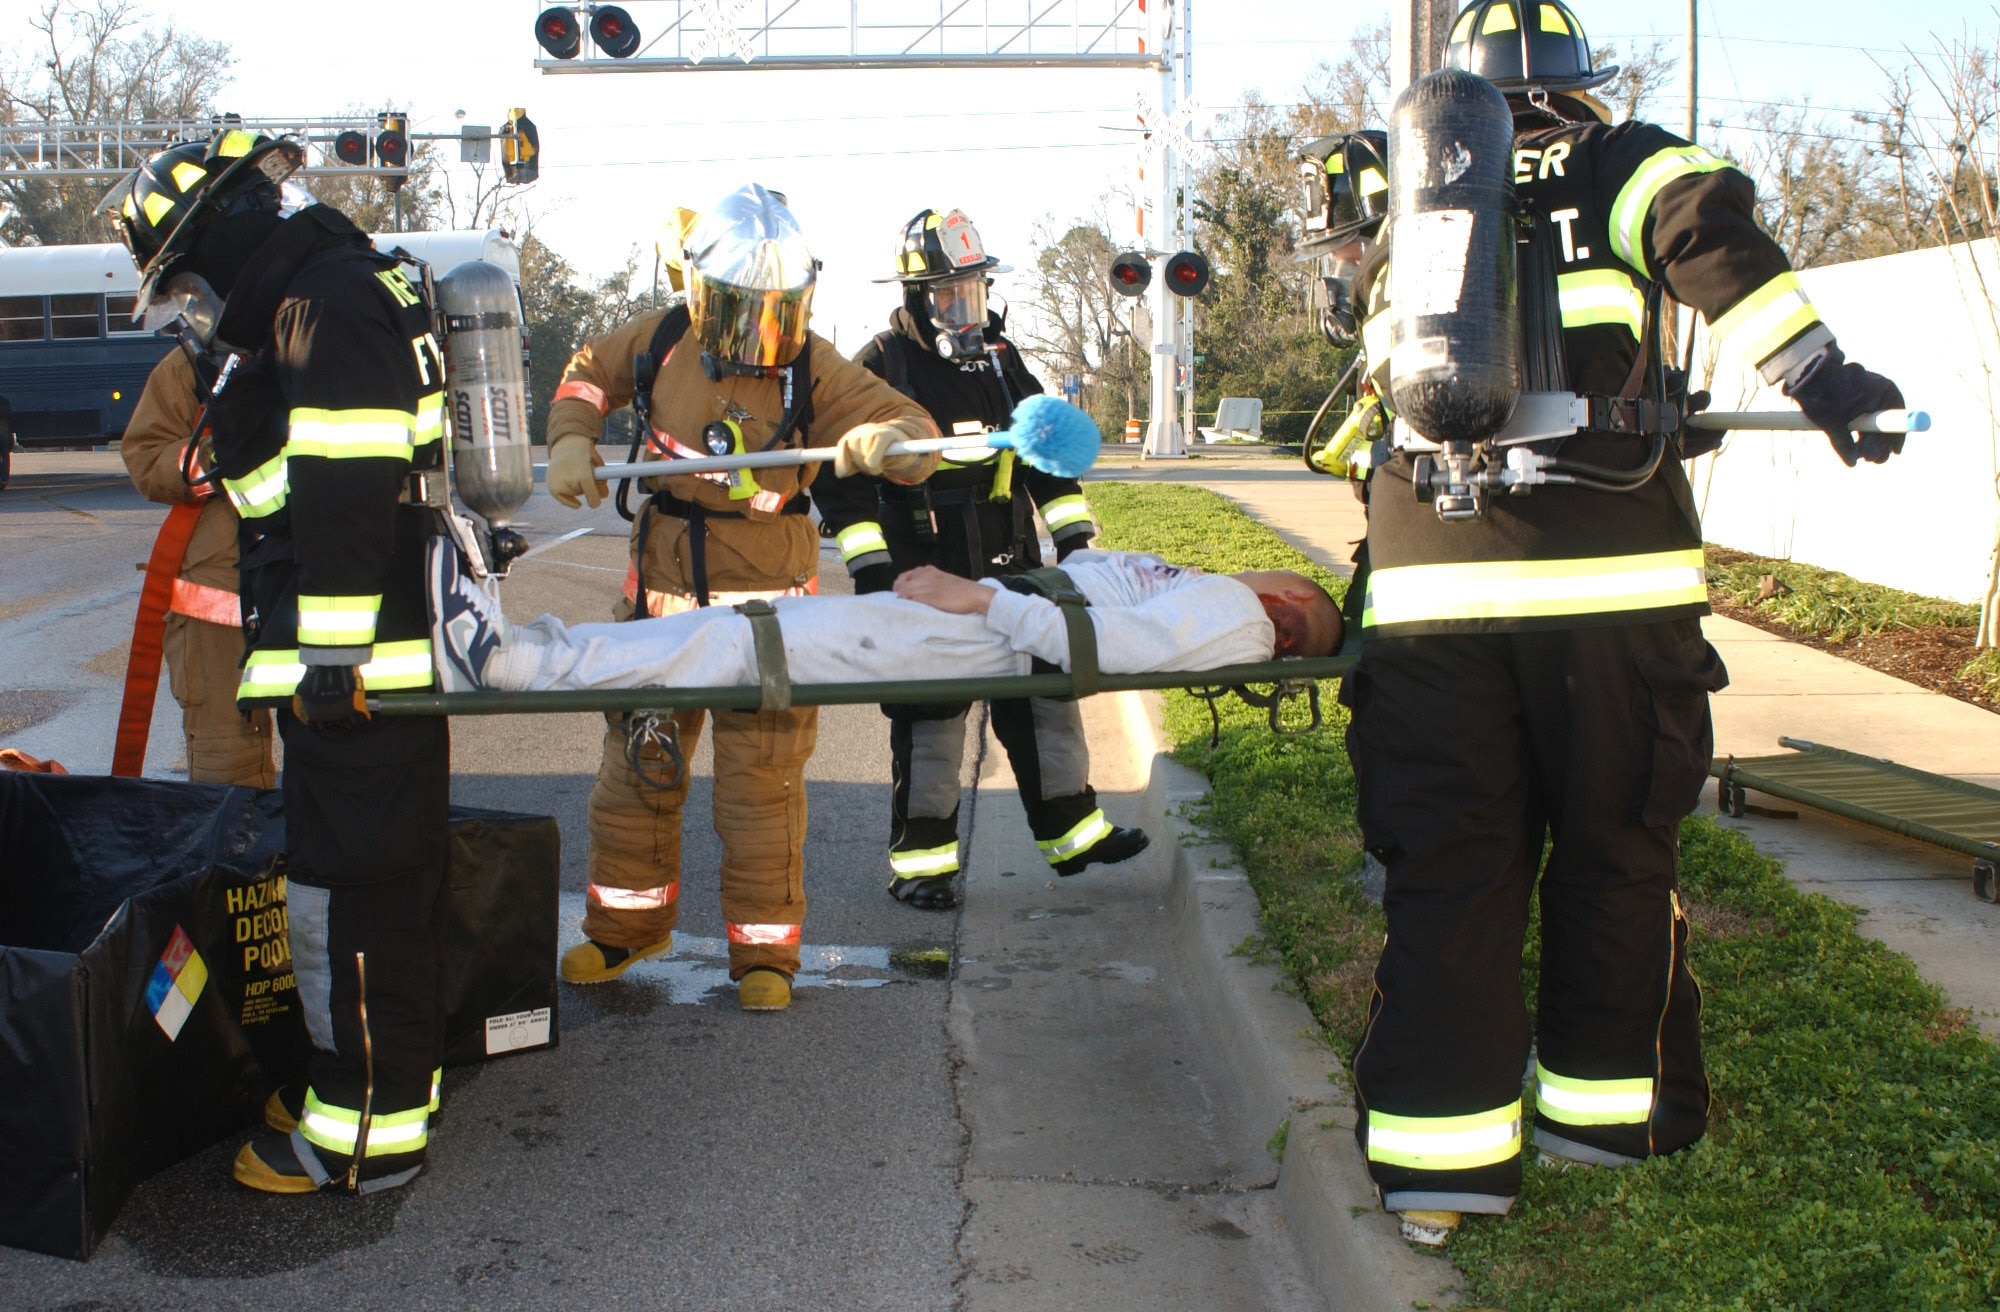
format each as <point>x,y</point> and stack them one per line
<point>1059,744</point>
<point>306,912</point>
<point>937,751</point>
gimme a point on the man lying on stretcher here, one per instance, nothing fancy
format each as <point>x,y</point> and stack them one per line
<point>1149,616</point>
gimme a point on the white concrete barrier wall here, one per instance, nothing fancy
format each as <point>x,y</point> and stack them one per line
<point>1924,522</point>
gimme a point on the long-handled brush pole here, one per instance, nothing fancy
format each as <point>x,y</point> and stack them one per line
<point>1882,421</point>
<point>1047,432</point>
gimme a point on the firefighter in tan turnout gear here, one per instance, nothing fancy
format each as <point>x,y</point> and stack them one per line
<point>733,368</point>
<point>204,627</point>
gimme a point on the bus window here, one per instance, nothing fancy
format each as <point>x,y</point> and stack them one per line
<point>118,314</point>
<point>74,316</point>
<point>20,319</point>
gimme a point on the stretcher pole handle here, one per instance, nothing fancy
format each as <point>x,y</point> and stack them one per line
<point>1882,421</point>
<point>772,459</point>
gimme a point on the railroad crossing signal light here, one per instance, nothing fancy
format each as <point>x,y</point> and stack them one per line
<point>392,144</point>
<point>1187,274</point>
<point>520,149</point>
<point>558,32</point>
<point>351,147</point>
<point>1130,274</point>
<point>614,31</point>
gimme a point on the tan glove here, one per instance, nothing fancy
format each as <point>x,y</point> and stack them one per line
<point>865,450</point>
<point>571,474</point>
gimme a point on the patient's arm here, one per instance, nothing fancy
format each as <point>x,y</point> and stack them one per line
<point>946,592</point>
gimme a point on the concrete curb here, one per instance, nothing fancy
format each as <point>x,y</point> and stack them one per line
<point>1356,1256</point>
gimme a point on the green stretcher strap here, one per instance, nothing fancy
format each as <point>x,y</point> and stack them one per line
<point>774,677</point>
<point>746,698</point>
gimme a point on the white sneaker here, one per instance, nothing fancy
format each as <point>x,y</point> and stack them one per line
<point>467,624</point>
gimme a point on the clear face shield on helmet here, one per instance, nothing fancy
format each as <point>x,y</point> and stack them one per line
<point>185,304</point>
<point>957,309</point>
<point>1334,295</point>
<point>750,279</point>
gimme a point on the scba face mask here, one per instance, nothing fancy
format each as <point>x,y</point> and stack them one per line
<point>186,300</point>
<point>957,310</point>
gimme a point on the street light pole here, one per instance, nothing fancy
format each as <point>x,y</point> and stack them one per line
<point>1693,57</point>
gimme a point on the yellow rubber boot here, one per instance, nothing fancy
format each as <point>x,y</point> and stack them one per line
<point>1429,1228</point>
<point>590,962</point>
<point>764,989</point>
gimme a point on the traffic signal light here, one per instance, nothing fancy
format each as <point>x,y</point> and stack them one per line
<point>557,31</point>
<point>1130,274</point>
<point>392,144</point>
<point>351,147</point>
<point>520,149</point>
<point>614,31</point>
<point>1187,274</point>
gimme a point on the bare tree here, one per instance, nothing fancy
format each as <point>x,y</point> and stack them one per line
<point>1646,70</point>
<point>1350,94</point>
<point>96,61</point>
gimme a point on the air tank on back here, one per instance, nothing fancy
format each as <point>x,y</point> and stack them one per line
<point>1454,363</point>
<point>486,395</point>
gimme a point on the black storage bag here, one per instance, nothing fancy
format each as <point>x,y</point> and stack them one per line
<point>147,1005</point>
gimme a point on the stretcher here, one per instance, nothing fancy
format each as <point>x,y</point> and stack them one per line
<point>647,711</point>
<point>1931,808</point>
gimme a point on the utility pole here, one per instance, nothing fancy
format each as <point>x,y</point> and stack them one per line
<point>1693,58</point>
<point>1418,30</point>
<point>1172,345</point>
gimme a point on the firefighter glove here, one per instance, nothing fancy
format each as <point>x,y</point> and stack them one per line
<point>874,578</point>
<point>1833,393</point>
<point>331,697</point>
<point>572,473</point>
<point>866,450</point>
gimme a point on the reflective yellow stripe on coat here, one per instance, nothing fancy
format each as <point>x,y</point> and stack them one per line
<point>1528,589</point>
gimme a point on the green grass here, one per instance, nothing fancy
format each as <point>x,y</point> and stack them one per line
<point>1853,1155</point>
<point>1826,604</point>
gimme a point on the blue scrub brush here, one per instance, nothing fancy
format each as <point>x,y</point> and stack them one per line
<point>1052,435</point>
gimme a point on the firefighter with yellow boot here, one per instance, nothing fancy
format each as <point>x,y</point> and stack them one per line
<point>733,368</point>
<point>203,639</point>
<point>975,518</point>
<point>1533,665</point>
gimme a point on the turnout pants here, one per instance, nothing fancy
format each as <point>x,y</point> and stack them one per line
<point>224,745</point>
<point>760,761</point>
<point>1468,750</point>
<point>760,816</point>
<point>367,839</point>
<point>1045,745</point>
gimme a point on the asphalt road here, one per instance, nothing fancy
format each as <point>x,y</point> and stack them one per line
<point>898,1139</point>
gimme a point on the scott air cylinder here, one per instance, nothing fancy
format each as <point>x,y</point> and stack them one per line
<point>486,391</point>
<point>1454,362</point>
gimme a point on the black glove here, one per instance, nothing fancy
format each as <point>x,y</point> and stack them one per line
<point>330,697</point>
<point>1833,392</point>
<point>1697,441</point>
<point>873,578</point>
<point>1073,543</point>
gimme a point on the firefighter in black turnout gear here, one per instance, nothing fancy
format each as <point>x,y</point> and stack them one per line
<point>1540,669</point>
<point>975,517</point>
<point>328,440</point>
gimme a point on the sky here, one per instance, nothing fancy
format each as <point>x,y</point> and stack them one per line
<point>858,153</point>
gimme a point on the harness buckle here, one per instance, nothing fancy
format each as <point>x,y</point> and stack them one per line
<point>654,728</point>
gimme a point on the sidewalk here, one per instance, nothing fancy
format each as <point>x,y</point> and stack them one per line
<point>1915,898</point>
